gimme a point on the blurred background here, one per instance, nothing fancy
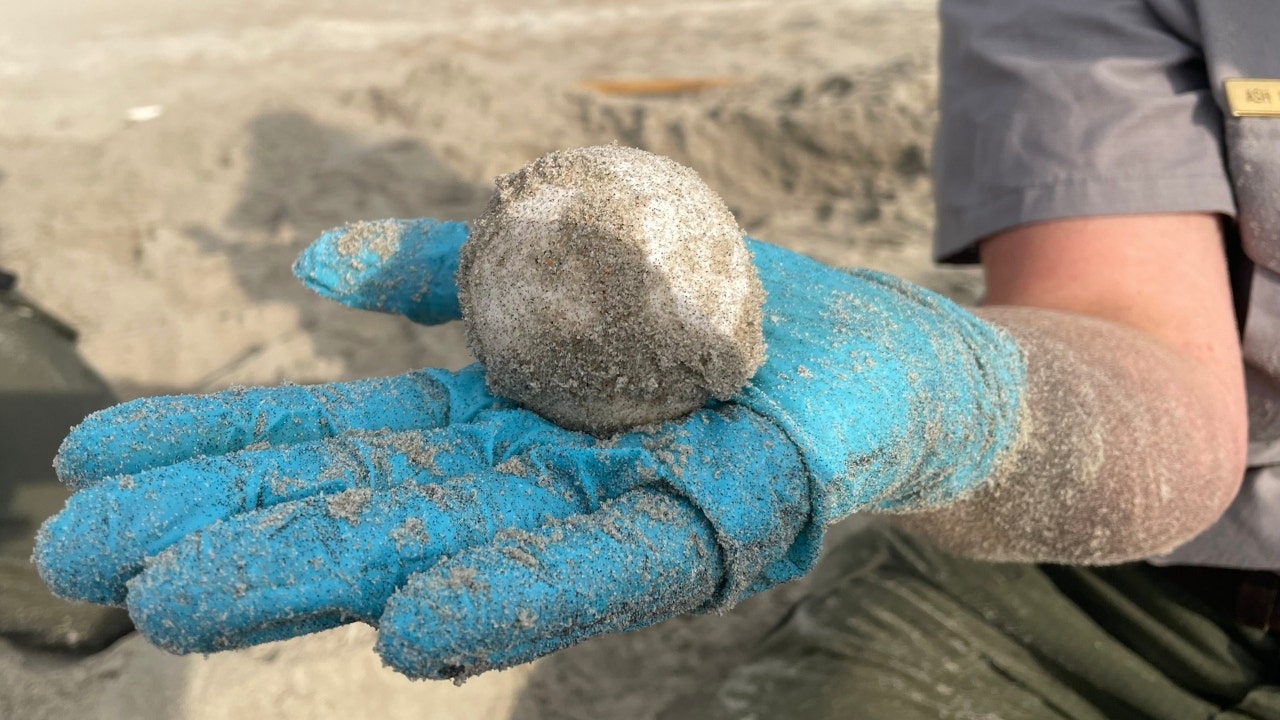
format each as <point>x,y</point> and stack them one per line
<point>162,163</point>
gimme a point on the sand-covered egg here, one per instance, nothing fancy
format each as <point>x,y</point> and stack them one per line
<point>607,287</point>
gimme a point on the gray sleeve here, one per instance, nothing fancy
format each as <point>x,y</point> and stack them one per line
<point>1067,108</point>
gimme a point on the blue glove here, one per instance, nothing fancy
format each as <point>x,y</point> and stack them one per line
<point>478,535</point>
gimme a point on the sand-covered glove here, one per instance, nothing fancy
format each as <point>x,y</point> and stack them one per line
<point>478,535</point>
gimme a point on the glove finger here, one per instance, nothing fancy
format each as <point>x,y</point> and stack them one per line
<point>322,561</point>
<point>640,559</point>
<point>102,536</point>
<point>153,432</point>
<point>405,267</point>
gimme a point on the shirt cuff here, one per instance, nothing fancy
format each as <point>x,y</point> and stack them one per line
<point>959,228</point>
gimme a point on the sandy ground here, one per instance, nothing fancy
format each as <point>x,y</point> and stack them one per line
<point>161,164</point>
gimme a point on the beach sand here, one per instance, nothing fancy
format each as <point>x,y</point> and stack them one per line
<point>162,164</point>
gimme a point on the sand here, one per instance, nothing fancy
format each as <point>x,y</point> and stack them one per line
<point>161,165</point>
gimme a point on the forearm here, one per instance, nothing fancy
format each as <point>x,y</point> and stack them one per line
<point>1127,448</point>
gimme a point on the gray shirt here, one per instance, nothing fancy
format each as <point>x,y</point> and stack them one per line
<point>1054,109</point>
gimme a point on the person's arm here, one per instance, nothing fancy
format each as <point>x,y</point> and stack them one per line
<point>1138,427</point>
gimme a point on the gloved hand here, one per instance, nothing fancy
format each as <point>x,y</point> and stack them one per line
<point>477,535</point>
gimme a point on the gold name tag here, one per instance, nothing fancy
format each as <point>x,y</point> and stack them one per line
<point>1253,97</point>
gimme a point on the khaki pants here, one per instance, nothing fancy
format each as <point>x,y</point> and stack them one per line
<point>897,630</point>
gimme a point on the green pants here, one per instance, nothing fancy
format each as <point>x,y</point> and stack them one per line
<point>897,630</point>
<point>45,388</point>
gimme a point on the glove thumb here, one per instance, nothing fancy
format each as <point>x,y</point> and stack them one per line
<point>405,267</point>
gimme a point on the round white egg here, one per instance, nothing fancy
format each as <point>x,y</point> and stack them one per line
<point>607,287</point>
